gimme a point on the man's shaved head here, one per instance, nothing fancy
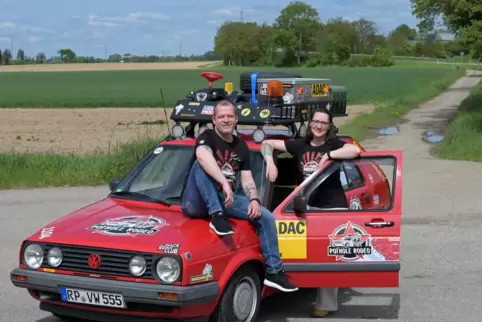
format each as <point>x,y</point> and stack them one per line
<point>225,118</point>
<point>223,103</point>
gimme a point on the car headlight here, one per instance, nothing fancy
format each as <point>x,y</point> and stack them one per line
<point>137,266</point>
<point>54,257</point>
<point>168,269</point>
<point>33,256</point>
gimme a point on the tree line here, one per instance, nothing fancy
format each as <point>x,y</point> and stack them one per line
<point>298,36</point>
<point>67,55</point>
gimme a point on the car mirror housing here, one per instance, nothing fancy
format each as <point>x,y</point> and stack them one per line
<point>113,183</point>
<point>299,204</point>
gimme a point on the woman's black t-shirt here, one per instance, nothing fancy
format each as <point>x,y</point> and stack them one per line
<point>330,193</point>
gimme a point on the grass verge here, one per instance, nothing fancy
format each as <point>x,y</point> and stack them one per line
<point>31,170</point>
<point>21,170</point>
<point>463,135</point>
<point>393,109</point>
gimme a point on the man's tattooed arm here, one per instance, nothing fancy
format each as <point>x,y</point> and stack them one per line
<point>266,150</point>
<point>250,190</point>
<point>206,147</point>
<point>207,161</point>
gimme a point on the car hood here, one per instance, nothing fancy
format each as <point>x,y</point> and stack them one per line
<point>121,224</point>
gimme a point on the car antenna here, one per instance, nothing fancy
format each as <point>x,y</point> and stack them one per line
<point>165,113</point>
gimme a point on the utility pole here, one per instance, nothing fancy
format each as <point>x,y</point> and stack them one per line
<point>241,15</point>
<point>180,50</point>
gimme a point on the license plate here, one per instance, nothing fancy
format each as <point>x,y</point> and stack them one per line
<point>92,297</point>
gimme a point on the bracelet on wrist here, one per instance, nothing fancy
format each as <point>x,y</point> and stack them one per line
<point>256,199</point>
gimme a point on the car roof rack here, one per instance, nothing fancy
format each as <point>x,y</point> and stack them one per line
<point>198,107</point>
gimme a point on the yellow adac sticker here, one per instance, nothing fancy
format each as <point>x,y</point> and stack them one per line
<point>292,238</point>
<point>318,90</point>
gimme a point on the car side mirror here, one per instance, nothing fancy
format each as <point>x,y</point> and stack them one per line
<point>113,184</point>
<point>299,204</point>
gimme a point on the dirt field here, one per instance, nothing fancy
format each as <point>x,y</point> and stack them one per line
<point>103,66</point>
<point>86,130</point>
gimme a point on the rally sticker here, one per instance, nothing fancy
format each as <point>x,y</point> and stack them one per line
<point>129,226</point>
<point>349,242</point>
<point>208,110</point>
<point>169,248</point>
<point>292,240</point>
<point>46,232</point>
<point>207,275</point>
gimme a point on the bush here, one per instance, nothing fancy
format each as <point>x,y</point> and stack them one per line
<point>381,57</point>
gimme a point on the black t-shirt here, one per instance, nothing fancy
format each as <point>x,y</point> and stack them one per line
<point>330,193</point>
<point>231,157</point>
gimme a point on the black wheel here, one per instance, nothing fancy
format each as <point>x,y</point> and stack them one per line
<point>241,299</point>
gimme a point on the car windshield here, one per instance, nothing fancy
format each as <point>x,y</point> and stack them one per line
<point>159,177</point>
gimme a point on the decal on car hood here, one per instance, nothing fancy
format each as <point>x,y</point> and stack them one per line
<point>129,226</point>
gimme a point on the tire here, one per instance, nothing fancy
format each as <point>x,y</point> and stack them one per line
<point>244,288</point>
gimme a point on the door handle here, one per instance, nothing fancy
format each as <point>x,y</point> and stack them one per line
<point>379,224</point>
<point>365,197</point>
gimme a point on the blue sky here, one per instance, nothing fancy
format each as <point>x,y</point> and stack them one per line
<point>145,27</point>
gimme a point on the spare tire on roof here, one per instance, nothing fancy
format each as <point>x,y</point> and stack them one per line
<point>245,78</point>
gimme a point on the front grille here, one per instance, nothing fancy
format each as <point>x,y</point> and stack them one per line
<point>113,262</point>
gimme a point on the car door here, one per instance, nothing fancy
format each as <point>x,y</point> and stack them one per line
<point>342,247</point>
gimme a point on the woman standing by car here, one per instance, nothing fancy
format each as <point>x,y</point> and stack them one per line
<point>319,145</point>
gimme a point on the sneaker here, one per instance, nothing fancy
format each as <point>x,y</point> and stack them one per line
<point>280,281</point>
<point>221,226</point>
<point>319,313</point>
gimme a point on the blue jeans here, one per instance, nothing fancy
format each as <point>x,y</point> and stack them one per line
<point>202,199</point>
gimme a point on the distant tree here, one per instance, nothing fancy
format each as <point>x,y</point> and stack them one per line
<point>7,56</point>
<point>297,25</point>
<point>67,55</point>
<point>463,18</point>
<point>20,54</point>
<point>40,58</point>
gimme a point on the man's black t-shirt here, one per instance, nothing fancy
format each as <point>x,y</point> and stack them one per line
<point>231,157</point>
<point>330,193</point>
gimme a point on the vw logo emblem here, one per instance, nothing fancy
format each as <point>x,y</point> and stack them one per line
<point>94,261</point>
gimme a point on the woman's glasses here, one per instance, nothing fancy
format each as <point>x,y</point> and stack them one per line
<point>319,123</point>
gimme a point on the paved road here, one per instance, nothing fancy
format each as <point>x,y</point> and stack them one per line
<point>441,253</point>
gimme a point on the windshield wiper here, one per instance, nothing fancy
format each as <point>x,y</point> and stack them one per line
<point>141,196</point>
<point>176,198</point>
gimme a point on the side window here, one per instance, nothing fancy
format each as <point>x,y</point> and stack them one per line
<point>350,176</point>
<point>326,191</point>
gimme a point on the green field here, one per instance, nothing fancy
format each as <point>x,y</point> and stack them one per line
<point>398,89</point>
<point>463,136</point>
<point>142,88</point>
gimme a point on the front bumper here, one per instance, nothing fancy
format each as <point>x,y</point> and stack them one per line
<point>132,292</point>
<point>107,317</point>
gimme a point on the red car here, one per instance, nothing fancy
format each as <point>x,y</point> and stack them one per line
<point>135,253</point>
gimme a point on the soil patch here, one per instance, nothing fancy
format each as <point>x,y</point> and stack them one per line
<point>103,66</point>
<point>85,130</point>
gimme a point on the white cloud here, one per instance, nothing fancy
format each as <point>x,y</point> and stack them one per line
<point>4,39</point>
<point>133,17</point>
<point>7,25</point>
<point>36,29</point>
<point>11,25</point>
<point>188,32</point>
<point>34,39</point>
<point>214,22</point>
<point>232,11</point>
